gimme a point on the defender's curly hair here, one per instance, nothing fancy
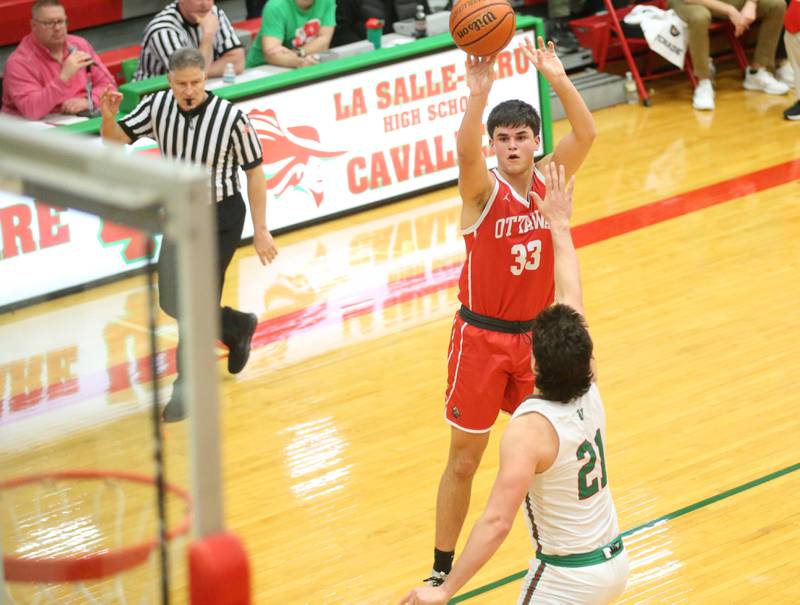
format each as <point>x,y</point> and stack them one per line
<point>563,351</point>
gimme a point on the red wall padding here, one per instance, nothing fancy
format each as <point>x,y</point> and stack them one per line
<point>219,573</point>
<point>15,16</point>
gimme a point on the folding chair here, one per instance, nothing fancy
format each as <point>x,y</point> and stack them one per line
<point>629,44</point>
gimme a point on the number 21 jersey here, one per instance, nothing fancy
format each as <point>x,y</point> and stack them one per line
<point>508,272</point>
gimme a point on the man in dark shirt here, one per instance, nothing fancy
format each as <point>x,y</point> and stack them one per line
<point>254,8</point>
<point>351,15</point>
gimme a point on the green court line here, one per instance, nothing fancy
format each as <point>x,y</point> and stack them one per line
<point>673,515</point>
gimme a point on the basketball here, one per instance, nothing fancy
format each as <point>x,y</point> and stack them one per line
<point>482,27</point>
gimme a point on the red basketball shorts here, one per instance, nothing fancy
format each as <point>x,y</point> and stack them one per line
<point>486,371</point>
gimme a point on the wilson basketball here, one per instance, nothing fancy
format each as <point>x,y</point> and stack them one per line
<point>482,27</point>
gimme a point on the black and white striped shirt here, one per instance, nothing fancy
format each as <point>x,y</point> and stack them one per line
<point>215,134</point>
<point>169,31</point>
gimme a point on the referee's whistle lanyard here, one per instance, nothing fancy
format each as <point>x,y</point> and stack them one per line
<point>191,114</point>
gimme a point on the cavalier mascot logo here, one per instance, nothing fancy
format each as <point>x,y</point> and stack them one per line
<point>292,156</point>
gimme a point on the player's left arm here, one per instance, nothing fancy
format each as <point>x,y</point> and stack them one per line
<point>556,207</point>
<point>518,459</point>
<point>572,149</point>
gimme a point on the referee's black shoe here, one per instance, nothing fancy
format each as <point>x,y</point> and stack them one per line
<point>239,345</point>
<point>174,411</point>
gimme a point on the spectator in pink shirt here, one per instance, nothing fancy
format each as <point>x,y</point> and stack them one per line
<point>49,70</point>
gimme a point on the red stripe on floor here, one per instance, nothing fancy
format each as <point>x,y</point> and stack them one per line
<point>684,203</point>
<point>402,290</point>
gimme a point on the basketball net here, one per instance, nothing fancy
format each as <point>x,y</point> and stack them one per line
<point>85,537</point>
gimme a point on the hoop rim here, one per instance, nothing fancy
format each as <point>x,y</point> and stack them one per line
<point>96,566</point>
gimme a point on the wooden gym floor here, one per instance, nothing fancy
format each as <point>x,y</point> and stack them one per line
<point>688,225</point>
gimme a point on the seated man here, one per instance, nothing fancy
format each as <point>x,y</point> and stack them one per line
<point>742,13</point>
<point>292,31</point>
<point>352,15</point>
<point>51,71</point>
<point>190,24</point>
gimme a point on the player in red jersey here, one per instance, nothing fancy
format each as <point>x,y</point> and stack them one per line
<point>507,276</point>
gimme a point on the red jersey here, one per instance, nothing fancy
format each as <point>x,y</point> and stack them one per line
<point>508,273</point>
<point>792,18</point>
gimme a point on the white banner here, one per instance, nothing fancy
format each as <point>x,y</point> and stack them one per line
<point>351,284</point>
<point>329,147</point>
<point>374,135</point>
<point>45,249</point>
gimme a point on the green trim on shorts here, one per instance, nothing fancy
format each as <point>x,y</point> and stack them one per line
<point>601,555</point>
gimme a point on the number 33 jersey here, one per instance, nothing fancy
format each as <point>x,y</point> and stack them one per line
<point>508,272</point>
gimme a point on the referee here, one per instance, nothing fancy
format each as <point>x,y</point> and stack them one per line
<point>190,24</point>
<point>191,124</point>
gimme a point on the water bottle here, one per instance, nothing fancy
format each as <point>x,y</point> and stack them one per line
<point>374,27</point>
<point>420,22</point>
<point>631,94</point>
<point>229,75</point>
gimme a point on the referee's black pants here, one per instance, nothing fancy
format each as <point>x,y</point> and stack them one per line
<point>230,222</point>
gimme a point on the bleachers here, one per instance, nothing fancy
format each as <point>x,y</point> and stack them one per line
<point>82,13</point>
<point>251,25</point>
<point>113,60</point>
<point>16,14</point>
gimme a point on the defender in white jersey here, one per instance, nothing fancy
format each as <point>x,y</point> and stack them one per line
<point>552,456</point>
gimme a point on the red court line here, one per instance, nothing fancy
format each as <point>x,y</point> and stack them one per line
<point>408,288</point>
<point>330,312</point>
<point>684,203</point>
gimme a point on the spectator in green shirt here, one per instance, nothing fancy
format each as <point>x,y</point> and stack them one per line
<point>292,32</point>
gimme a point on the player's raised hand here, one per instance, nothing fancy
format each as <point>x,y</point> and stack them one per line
<point>480,74</point>
<point>556,206</point>
<point>544,58</point>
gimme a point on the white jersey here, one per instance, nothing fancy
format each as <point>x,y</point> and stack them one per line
<point>568,507</point>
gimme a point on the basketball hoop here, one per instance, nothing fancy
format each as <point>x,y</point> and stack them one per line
<point>72,527</point>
